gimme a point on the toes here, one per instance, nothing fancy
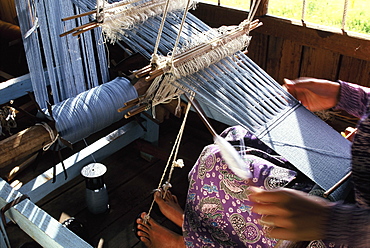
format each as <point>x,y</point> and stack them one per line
<point>142,228</point>
<point>158,196</point>
<point>142,234</point>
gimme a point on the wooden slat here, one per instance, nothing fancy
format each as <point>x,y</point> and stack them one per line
<point>15,88</point>
<point>290,61</point>
<point>262,8</point>
<point>274,54</point>
<point>355,71</point>
<point>319,63</point>
<point>47,231</point>
<point>257,49</point>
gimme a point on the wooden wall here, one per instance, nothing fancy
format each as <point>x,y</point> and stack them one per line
<point>289,49</point>
<point>8,12</point>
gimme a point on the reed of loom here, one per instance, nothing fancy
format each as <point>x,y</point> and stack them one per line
<point>158,70</point>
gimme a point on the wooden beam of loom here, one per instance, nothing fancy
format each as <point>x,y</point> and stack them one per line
<point>18,147</point>
<point>38,224</point>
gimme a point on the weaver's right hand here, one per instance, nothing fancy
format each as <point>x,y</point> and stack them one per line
<point>315,94</point>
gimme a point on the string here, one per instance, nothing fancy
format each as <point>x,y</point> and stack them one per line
<point>27,20</point>
<point>160,31</point>
<point>172,157</point>
<point>180,31</point>
<point>345,9</point>
<point>53,137</point>
<point>303,10</point>
<point>92,155</point>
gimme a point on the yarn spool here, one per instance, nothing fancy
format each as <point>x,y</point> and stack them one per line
<point>96,190</point>
<point>92,110</point>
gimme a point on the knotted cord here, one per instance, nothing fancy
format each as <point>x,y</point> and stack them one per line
<point>173,157</point>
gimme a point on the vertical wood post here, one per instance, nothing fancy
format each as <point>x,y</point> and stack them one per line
<point>262,8</point>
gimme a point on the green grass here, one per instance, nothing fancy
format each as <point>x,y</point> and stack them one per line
<point>323,12</point>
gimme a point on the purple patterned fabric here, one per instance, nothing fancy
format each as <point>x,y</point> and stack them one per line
<point>217,212</point>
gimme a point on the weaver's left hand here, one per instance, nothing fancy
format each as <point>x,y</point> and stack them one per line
<point>290,214</point>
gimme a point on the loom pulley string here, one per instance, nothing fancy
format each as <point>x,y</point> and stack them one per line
<point>175,163</point>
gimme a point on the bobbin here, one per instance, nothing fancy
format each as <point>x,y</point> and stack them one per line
<point>96,191</point>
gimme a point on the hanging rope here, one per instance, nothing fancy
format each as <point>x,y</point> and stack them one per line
<point>345,9</point>
<point>303,10</point>
<point>173,157</point>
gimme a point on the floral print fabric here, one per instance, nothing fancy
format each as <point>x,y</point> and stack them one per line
<point>217,212</point>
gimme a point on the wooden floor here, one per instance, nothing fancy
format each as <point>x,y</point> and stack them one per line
<point>130,179</point>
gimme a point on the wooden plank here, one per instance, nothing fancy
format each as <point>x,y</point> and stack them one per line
<point>319,63</point>
<point>349,44</point>
<point>21,145</point>
<point>290,61</point>
<point>36,222</point>
<point>257,49</point>
<point>355,71</point>
<point>273,59</point>
<point>42,185</point>
<point>15,88</point>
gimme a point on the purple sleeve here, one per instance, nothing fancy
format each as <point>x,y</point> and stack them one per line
<point>349,225</point>
<point>353,99</point>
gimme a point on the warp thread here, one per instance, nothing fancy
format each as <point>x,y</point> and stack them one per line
<point>92,110</point>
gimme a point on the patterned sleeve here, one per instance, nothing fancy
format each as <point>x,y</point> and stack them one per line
<point>349,225</point>
<point>353,98</point>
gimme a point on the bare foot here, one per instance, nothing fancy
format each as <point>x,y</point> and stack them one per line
<point>170,207</point>
<point>154,235</point>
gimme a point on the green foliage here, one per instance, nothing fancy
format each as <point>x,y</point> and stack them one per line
<point>323,12</point>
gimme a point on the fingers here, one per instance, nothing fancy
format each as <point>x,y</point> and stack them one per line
<point>271,196</point>
<point>290,214</point>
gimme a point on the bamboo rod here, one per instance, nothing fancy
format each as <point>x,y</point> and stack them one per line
<point>201,114</point>
<point>78,28</point>
<point>79,15</point>
<point>85,29</point>
<point>136,111</point>
<point>337,185</point>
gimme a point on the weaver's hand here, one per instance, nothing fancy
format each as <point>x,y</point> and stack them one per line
<point>290,214</point>
<point>315,94</point>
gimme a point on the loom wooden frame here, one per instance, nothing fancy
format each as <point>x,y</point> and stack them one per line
<point>34,221</point>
